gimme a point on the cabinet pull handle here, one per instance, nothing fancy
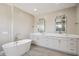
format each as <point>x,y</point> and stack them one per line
<point>71,39</point>
<point>71,49</point>
<point>71,43</point>
<point>59,41</point>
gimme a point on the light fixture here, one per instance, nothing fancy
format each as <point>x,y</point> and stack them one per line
<point>59,25</point>
<point>35,9</point>
<point>57,3</point>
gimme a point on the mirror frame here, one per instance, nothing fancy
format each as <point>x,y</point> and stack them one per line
<point>60,19</point>
<point>41,21</point>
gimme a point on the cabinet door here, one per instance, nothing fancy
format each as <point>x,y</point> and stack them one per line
<point>53,43</point>
<point>42,41</point>
<point>63,44</point>
<point>35,39</point>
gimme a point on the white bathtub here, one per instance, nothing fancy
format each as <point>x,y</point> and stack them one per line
<point>17,48</point>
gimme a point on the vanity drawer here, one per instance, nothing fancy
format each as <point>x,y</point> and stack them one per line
<point>72,46</point>
<point>73,40</point>
<point>72,43</point>
<point>72,51</point>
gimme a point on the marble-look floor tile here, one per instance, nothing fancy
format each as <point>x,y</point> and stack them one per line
<point>40,51</point>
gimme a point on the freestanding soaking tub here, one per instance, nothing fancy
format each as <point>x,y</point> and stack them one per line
<point>17,48</point>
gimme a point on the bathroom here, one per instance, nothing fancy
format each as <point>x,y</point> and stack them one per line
<point>39,28</point>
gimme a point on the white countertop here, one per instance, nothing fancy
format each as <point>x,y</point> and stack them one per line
<point>57,35</point>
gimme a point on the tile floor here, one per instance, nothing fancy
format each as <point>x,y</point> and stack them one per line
<point>40,51</point>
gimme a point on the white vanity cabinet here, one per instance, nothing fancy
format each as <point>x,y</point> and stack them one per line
<point>72,46</point>
<point>43,41</point>
<point>68,45</point>
<point>62,44</point>
<point>65,44</point>
<point>52,42</point>
<point>78,47</point>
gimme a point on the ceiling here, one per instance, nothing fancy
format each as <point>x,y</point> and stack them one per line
<point>43,8</point>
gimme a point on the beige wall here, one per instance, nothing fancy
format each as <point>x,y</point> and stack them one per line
<point>22,23</point>
<point>77,14</point>
<point>50,20</point>
<point>5,18</point>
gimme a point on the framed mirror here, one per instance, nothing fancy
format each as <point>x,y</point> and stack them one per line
<point>41,25</point>
<point>60,24</point>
